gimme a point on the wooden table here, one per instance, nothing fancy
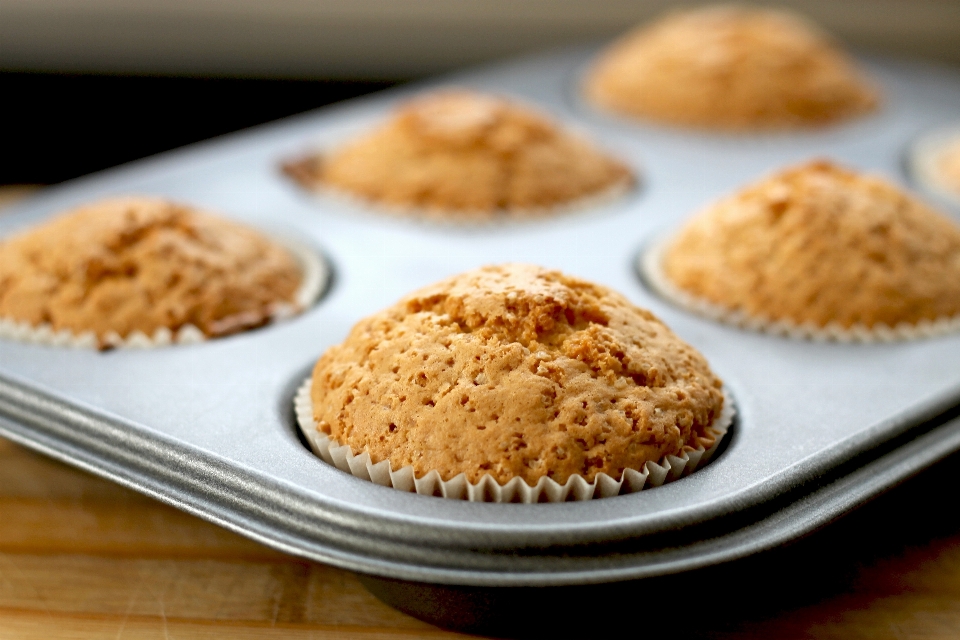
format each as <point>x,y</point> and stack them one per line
<point>83,558</point>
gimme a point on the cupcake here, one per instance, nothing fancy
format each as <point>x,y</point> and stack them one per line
<point>148,271</point>
<point>825,249</point>
<point>935,162</point>
<point>457,154</point>
<point>515,377</point>
<point>949,166</point>
<point>730,67</point>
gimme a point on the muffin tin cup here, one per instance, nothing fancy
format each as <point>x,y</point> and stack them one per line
<point>650,266</point>
<point>315,272</point>
<point>653,474</point>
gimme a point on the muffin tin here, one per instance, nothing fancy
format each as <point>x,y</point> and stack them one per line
<point>209,427</point>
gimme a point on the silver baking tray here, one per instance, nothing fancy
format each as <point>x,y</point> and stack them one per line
<point>209,428</point>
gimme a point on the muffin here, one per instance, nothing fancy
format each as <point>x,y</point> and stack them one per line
<point>730,67</point>
<point>516,372</point>
<point>818,245</point>
<point>949,166</point>
<point>459,154</point>
<point>935,162</point>
<point>144,267</point>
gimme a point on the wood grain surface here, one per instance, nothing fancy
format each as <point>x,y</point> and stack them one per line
<point>82,558</point>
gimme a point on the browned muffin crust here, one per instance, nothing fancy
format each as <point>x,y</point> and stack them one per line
<point>730,67</point>
<point>461,153</point>
<point>141,264</point>
<point>515,371</point>
<point>817,244</point>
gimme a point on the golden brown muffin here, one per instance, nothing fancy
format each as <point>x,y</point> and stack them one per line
<point>142,264</point>
<point>459,152</point>
<point>515,371</point>
<point>948,166</point>
<point>730,67</point>
<point>819,244</point>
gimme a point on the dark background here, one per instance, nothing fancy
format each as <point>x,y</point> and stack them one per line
<point>60,127</point>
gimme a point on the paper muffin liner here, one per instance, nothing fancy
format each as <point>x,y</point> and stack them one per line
<point>487,489</point>
<point>455,217</point>
<point>922,162</point>
<point>315,277</point>
<point>650,265</point>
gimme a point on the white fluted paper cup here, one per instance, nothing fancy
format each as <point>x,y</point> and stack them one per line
<point>487,489</point>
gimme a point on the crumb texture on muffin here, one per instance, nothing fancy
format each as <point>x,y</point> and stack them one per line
<point>818,244</point>
<point>515,371</point>
<point>460,151</point>
<point>730,67</point>
<point>142,264</point>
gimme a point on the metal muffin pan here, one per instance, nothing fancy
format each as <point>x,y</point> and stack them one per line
<point>209,428</point>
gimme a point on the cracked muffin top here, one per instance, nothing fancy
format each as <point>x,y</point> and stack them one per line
<point>515,371</point>
<point>817,244</point>
<point>460,153</point>
<point>730,67</point>
<point>142,264</point>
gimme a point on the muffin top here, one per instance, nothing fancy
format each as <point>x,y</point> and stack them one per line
<point>459,152</point>
<point>141,264</point>
<point>816,244</point>
<point>729,67</point>
<point>512,371</point>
